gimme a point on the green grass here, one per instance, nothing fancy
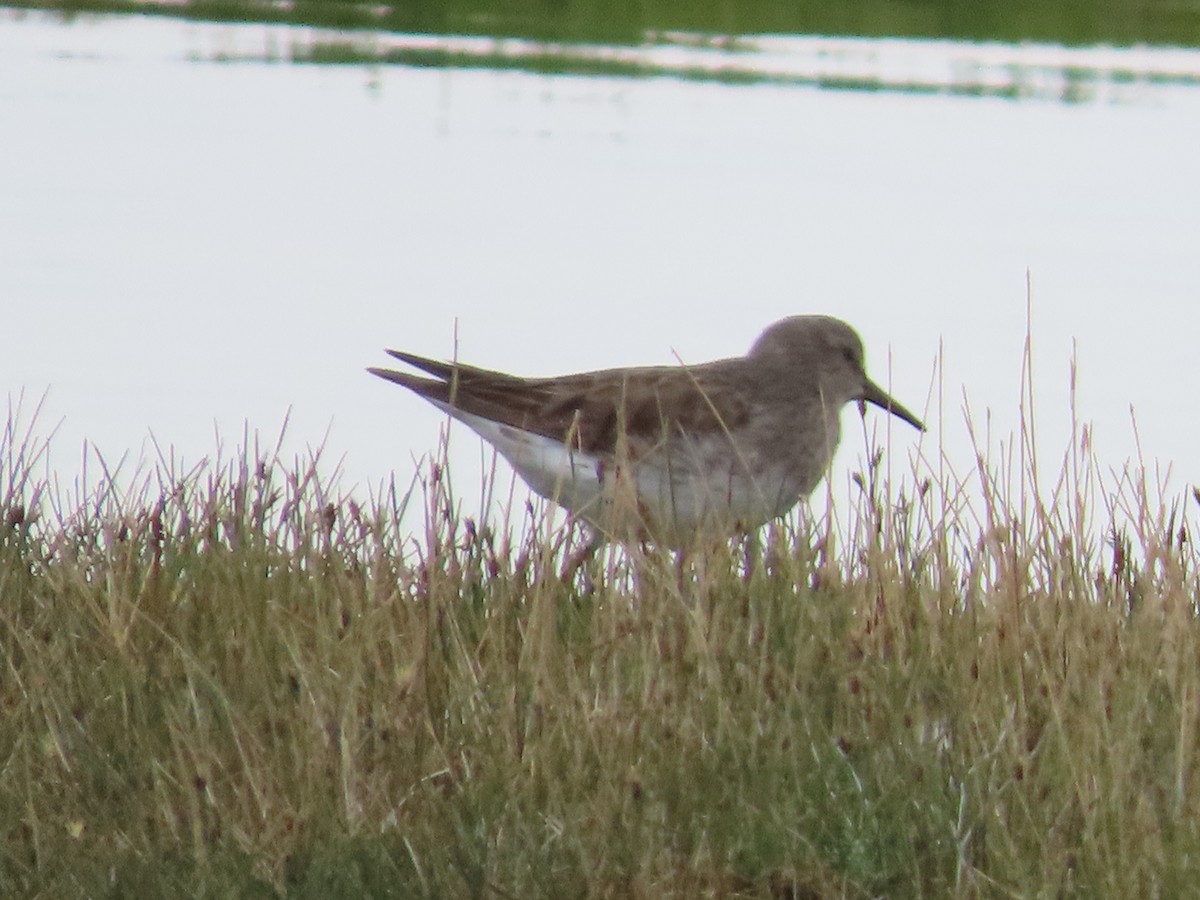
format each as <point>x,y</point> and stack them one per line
<point>1077,22</point>
<point>234,680</point>
<point>571,36</point>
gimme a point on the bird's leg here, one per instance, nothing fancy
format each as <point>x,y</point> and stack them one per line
<point>579,559</point>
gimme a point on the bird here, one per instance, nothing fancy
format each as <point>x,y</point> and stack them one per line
<point>670,452</point>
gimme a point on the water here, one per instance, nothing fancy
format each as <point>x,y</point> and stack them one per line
<point>187,246</point>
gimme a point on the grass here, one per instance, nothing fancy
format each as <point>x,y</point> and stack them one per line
<point>1076,22</point>
<point>589,38</point>
<point>234,680</point>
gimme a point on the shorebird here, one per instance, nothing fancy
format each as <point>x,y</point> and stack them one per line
<point>667,452</point>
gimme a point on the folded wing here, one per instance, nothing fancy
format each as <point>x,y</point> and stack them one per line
<point>590,410</point>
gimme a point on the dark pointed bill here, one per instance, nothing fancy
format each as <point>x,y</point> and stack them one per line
<point>873,393</point>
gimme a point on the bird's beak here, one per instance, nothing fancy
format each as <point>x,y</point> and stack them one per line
<point>873,393</point>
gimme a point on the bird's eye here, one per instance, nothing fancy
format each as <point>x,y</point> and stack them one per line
<point>849,355</point>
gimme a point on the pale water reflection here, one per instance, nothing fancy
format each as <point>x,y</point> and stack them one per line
<point>192,245</point>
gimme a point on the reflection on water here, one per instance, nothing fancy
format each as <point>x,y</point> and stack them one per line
<point>1071,75</point>
<point>187,247</point>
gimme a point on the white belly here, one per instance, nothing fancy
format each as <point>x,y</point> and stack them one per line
<point>674,497</point>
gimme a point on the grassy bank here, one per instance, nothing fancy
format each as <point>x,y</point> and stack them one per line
<point>1078,22</point>
<point>233,680</point>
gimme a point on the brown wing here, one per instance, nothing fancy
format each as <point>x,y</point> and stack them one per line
<point>647,405</point>
<point>591,409</point>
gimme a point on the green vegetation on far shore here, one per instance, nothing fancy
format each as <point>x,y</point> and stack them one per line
<point>1075,22</point>
<point>236,681</point>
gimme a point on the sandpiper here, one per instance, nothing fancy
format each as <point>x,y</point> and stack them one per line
<point>667,452</point>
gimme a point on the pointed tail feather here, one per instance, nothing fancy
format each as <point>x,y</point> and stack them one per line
<point>443,371</point>
<point>424,387</point>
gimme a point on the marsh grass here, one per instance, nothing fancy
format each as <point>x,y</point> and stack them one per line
<point>1075,22</point>
<point>234,679</point>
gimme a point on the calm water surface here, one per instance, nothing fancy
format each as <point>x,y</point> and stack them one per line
<point>187,246</point>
